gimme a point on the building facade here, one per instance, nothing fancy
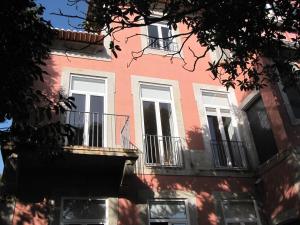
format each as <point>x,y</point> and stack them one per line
<point>156,144</point>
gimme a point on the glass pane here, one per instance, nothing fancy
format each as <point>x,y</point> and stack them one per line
<point>167,210</point>
<point>153,36</point>
<point>77,119</point>
<point>241,210</point>
<point>293,94</point>
<point>165,31</point>
<point>96,121</point>
<point>218,146</point>
<point>74,209</point>
<point>151,138</point>
<point>167,132</point>
<point>261,131</point>
<point>213,124</point>
<point>166,119</point>
<point>155,92</point>
<point>87,84</point>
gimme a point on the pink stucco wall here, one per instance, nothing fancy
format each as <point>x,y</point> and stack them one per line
<point>149,66</point>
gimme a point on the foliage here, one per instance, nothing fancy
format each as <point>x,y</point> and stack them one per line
<point>244,31</point>
<point>25,38</point>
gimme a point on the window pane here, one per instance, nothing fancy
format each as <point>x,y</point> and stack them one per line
<point>152,31</point>
<point>166,119</point>
<point>159,93</point>
<point>87,84</point>
<point>153,36</point>
<point>77,118</point>
<point>241,210</point>
<point>167,210</point>
<point>261,131</point>
<point>167,132</point>
<point>213,125</point>
<point>293,94</point>
<point>149,118</point>
<point>166,33</point>
<point>96,120</point>
<point>151,138</point>
<point>74,209</point>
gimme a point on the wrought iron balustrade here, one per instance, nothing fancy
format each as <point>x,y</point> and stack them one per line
<point>228,154</point>
<point>93,129</point>
<point>163,151</point>
<point>161,44</point>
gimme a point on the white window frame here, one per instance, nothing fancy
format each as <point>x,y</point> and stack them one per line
<point>87,105</point>
<point>220,122</point>
<point>82,221</point>
<point>242,221</point>
<point>157,112</point>
<point>159,25</point>
<point>169,221</point>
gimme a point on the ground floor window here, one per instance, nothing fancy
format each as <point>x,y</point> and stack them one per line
<point>168,212</point>
<point>83,211</point>
<point>240,212</point>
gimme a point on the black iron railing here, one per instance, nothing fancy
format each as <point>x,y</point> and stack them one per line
<point>164,151</point>
<point>95,129</point>
<point>165,45</point>
<point>228,154</point>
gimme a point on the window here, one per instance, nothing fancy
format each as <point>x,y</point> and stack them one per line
<point>227,149</point>
<point>162,147</point>
<point>238,212</point>
<point>160,37</point>
<point>88,117</point>
<point>166,212</point>
<point>293,95</point>
<point>83,211</point>
<point>261,130</point>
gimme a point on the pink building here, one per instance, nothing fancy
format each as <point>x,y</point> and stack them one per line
<point>158,145</point>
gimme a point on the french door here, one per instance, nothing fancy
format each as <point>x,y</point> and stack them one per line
<point>88,118</point>
<point>225,141</point>
<point>160,139</point>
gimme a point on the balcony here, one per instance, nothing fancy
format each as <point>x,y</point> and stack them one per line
<point>163,151</point>
<point>228,154</point>
<point>99,134</point>
<point>94,159</point>
<point>165,45</point>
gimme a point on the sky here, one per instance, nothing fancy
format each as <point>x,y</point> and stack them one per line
<point>53,6</point>
<point>3,126</point>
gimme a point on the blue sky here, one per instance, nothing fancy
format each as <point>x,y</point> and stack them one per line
<point>53,6</point>
<point>3,126</point>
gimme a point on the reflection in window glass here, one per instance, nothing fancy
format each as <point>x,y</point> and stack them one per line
<point>168,210</point>
<point>81,209</point>
<point>293,94</point>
